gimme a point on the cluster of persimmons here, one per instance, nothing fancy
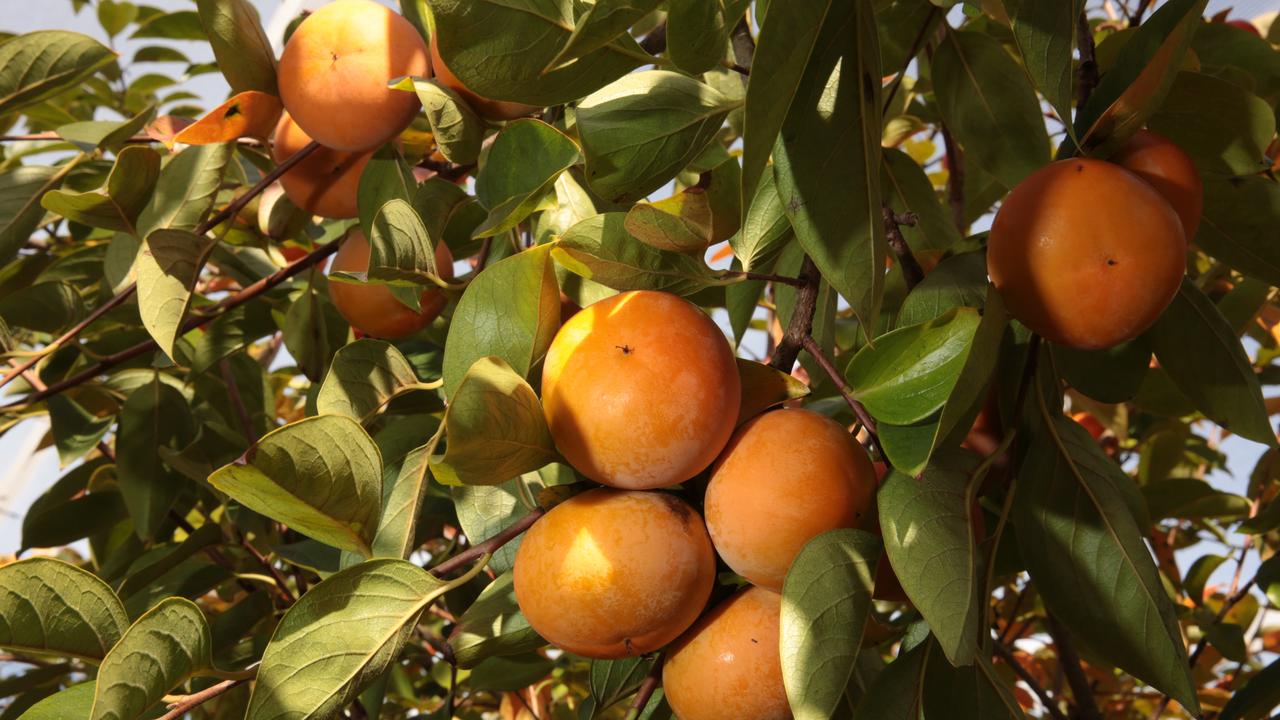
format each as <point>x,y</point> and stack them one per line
<point>641,390</point>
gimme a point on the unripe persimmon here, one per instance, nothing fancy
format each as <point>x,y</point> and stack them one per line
<point>323,183</point>
<point>785,477</point>
<point>612,574</point>
<point>1086,253</point>
<point>727,666</point>
<point>640,390</point>
<point>492,109</point>
<point>1158,160</point>
<point>335,68</point>
<point>372,308</point>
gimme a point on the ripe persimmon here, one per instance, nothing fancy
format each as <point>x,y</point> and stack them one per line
<point>372,308</point>
<point>784,478</point>
<point>1158,160</point>
<point>492,109</point>
<point>334,71</point>
<point>613,573</point>
<point>1086,253</point>
<point>640,390</point>
<point>727,665</point>
<point>323,183</point>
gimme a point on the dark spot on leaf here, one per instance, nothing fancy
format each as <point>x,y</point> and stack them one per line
<point>795,204</point>
<point>232,111</point>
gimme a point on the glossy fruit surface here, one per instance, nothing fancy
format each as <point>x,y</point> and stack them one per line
<point>323,183</point>
<point>1156,159</point>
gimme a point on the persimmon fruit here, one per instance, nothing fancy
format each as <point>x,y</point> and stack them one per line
<point>372,309</point>
<point>1158,160</point>
<point>334,71</point>
<point>1086,253</point>
<point>727,666</point>
<point>613,573</point>
<point>491,109</point>
<point>1246,26</point>
<point>324,183</point>
<point>785,477</point>
<point>640,390</point>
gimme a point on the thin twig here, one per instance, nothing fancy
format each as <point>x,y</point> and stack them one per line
<point>812,347</point>
<point>912,273</point>
<point>801,324</point>
<point>1025,675</point>
<point>237,401</point>
<point>646,689</point>
<point>915,49</point>
<point>955,180</point>
<point>493,544</point>
<point>190,702</point>
<point>1069,661</point>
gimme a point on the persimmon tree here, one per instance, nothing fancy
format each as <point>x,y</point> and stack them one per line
<point>904,335</point>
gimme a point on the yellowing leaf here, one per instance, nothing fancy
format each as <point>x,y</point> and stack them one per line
<point>248,114</point>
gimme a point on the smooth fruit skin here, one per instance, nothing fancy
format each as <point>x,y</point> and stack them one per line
<point>640,390</point>
<point>727,667</point>
<point>372,309</point>
<point>1086,253</point>
<point>611,574</point>
<point>334,71</point>
<point>323,183</point>
<point>491,109</point>
<point>785,477</point>
<point>1158,160</point>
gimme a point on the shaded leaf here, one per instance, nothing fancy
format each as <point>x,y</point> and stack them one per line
<point>186,190</point>
<point>154,415</point>
<point>765,229</point>
<point>600,249</point>
<point>128,188</point>
<point>168,267</point>
<point>455,127</point>
<point>1046,36</point>
<point>493,626</point>
<point>763,387</point>
<point>365,375</point>
<point>20,211</point>
<point>75,430</point>
<point>521,166</point>
<point>240,45</point>
<point>74,702</point>
<point>908,190</point>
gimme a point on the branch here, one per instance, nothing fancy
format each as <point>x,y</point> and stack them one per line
<point>190,702</point>
<point>912,273</point>
<point>1023,674</point>
<point>488,547</point>
<point>647,687</point>
<point>1087,73</point>
<point>812,347</point>
<point>801,324</point>
<point>1069,661</point>
<point>955,180</point>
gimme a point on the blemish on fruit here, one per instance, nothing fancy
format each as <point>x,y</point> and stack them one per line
<point>626,349</point>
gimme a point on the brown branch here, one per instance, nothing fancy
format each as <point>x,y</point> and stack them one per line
<point>78,328</point>
<point>955,180</point>
<point>190,702</point>
<point>744,47</point>
<point>1087,73</point>
<point>479,550</point>
<point>1069,661</point>
<point>801,324</point>
<point>645,692</point>
<point>915,49</point>
<point>812,347</point>
<point>245,295</point>
<point>134,140</point>
<point>912,273</point>
<point>1025,675</point>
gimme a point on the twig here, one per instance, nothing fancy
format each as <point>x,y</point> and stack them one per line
<point>812,347</point>
<point>451,701</point>
<point>646,689</point>
<point>744,47</point>
<point>237,401</point>
<point>1025,675</point>
<point>1069,661</point>
<point>479,550</point>
<point>955,180</point>
<point>1087,73</point>
<point>801,324</point>
<point>190,702</point>
<point>912,273</point>
<point>34,381</point>
<point>915,49</point>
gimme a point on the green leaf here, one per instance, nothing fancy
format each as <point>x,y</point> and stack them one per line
<point>44,307</point>
<point>313,331</point>
<point>404,486</point>
<point>1239,215</point>
<point>365,376</point>
<point>958,281</point>
<point>908,190</point>
<point>20,211</point>
<point>401,253</point>
<point>976,692</point>
<point>154,415</point>
<point>385,177</point>
<point>765,229</point>
<point>929,539</point>
<point>763,387</point>
<point>495,428</point>
<point>75,430</point>
<point>989,106</point>
<point>698,32</point>
<point>36,66</point>
<point>827,163</point>
<point>1045,34</point>
<point>511,310</point>
<point>825,601</point>
<point>1086,555</point>
<point>340,636</point>
<point>522,165</point>
<point>786,42</point>
<point>599,24</point>
<point>74,703</point>
<point>240,45</point>
<point>1110,376</point>
<point>1143,72</point>
<point>486,510</point>
<point>1231,140</point>
<point>1257,699</point>
<point>493,626</point>
<point>321,476</point>
<point>512,65</point>
<point>163,648</point>
<point>641,130</point>
<point>1192,499</point>
<point>128,188</point>
<point>168,268</point>
<point>600,249</point>
<point>1218,376</point>
<point>909,373</point>
<point>455,127</point>
<point>898,691</point>
<point>180,25</point>
<point>51,607</point>
<point>186,190</point>
<point>115,16</point>
<point>106,134</point>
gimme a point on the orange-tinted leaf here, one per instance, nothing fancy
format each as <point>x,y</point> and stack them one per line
<point>248,114</point>
<point>166,127</point>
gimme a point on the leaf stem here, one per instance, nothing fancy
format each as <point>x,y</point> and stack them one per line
<point>488,547</point>
<point>812,347</point>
